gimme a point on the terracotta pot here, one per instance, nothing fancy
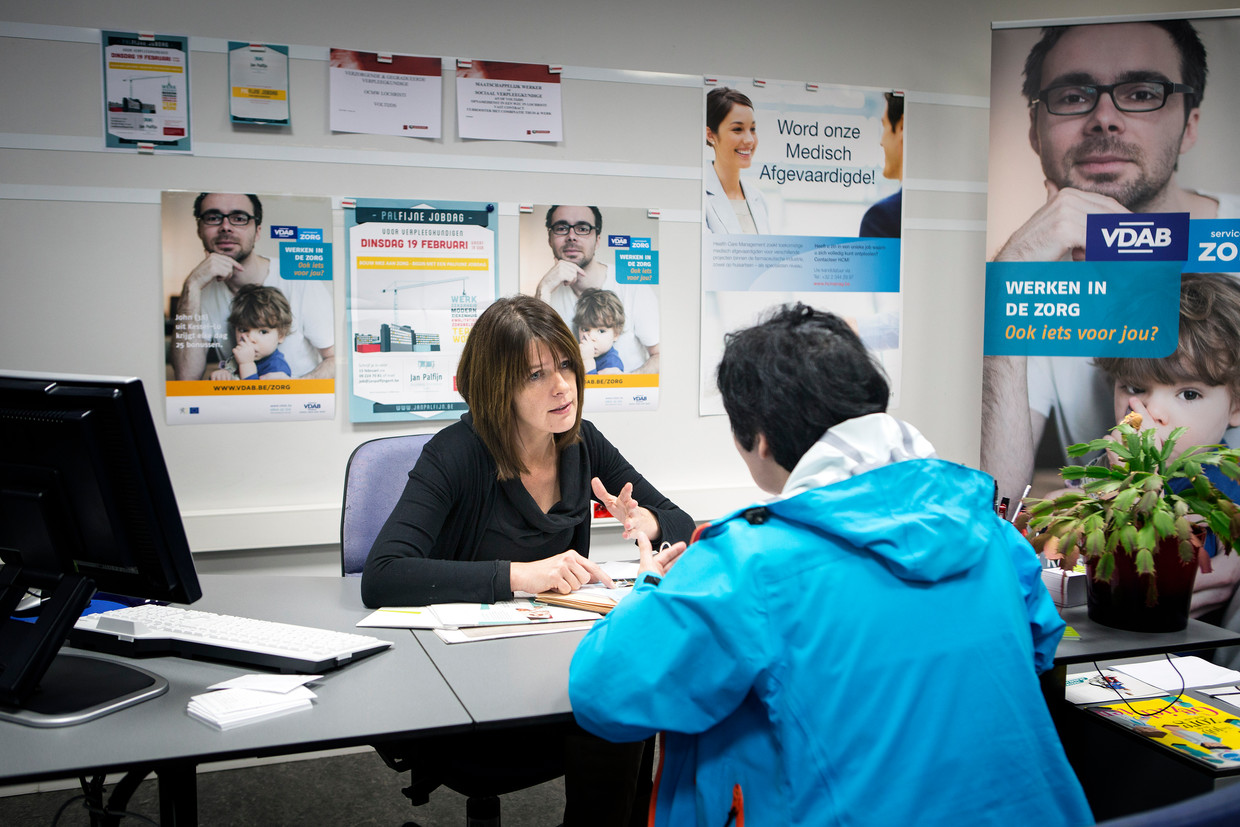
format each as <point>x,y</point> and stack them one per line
<point>1127,600</point>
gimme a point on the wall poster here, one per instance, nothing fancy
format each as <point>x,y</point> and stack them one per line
<point>258,83</point>
<point>145,91</point>
<point>420,273</point>
<point>599,268</point>
<point>249,323</point>
<point>1112,179</point>
<point>801,201</point>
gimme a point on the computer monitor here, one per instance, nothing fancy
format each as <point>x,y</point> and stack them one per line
<point>85,505</point>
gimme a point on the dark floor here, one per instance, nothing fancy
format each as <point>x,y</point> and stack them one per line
<point>355,789</point>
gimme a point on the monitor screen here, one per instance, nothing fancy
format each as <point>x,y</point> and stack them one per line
<point>85,504</point>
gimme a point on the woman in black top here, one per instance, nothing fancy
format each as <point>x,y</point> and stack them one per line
<point>500,501</point>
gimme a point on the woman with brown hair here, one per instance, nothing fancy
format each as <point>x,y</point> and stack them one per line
<point>500,501</point>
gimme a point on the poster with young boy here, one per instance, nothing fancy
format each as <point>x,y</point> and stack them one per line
<point>1111,173</point>
<point>420,272</point>
<point>599,268</point>
<point>249,326</point>
<point>801,201</point>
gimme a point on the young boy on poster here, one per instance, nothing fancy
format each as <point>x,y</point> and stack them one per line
<point>260,318</point>
<point>1197,387</point>
<point>599,321</point>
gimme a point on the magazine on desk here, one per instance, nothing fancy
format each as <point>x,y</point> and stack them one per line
<point>1209,734</point>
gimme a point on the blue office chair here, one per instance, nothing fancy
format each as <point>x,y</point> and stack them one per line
<point>374,479</point>
<point>1220,808</point>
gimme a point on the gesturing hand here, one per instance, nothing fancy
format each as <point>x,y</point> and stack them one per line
<point>659,563</point>
<point>562,573</point>
<point>625,509</point>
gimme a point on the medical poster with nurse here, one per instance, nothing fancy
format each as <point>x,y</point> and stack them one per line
<point>801,201</point>
<point>420,273</point>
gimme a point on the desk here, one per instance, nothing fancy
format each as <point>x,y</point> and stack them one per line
<point>1123,772</point>
<point>535,669</point>
<point>394,694</point>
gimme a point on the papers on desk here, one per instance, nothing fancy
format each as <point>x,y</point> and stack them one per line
<point>1094,687</point>
<point>1191,670</point>
<point>1148,679</point>
<point>251,698</point>
<point>522,612</point>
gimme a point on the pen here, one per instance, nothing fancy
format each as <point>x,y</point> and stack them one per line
<point>1021,503</point>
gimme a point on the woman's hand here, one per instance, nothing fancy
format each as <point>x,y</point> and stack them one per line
<point>625,509</point>
<point>562,573</point>
<point>656,562</point>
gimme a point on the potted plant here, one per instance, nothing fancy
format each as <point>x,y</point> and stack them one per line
<point>1139,522</point>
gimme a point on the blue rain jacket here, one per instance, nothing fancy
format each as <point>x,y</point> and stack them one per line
<point>862,652</point>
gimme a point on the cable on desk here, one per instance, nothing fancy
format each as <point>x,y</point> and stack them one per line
<point>1174,700</point>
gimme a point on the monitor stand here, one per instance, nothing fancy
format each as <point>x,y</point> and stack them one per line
<point>77,688</point>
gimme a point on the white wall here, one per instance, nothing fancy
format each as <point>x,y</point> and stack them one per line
<point>80,228</point>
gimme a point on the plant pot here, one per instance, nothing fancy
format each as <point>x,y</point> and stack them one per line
<point>1127,601</point>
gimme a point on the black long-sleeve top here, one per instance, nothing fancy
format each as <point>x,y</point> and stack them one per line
<point>456,527</point>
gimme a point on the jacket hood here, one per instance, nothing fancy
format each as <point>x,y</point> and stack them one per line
<point>876,483</point>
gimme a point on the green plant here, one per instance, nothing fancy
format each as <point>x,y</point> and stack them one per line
<point>1131,504</point>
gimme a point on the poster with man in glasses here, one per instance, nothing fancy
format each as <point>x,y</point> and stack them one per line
<point>249,326</point>
<point>600,271</point>
<point>1111,172</point>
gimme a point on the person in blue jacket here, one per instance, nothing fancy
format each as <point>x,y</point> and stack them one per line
<point>862,649</point>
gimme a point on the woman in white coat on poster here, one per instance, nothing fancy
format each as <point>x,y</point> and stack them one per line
<point>729,206</point>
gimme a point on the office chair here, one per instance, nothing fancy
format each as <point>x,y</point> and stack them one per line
<point>374,479</point>
<point>1220,808</point>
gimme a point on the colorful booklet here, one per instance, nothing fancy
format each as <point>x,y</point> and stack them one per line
<point>1203,732</point>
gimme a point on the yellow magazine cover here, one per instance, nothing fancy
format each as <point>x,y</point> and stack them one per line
<point>1194,728</point>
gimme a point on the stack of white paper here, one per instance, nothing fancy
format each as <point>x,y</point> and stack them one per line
<point>251,698</point>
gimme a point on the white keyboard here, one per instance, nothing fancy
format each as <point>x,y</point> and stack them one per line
<point>152,629</point>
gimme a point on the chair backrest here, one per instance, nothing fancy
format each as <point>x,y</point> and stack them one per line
<point>1220,808</point>
<point>373,482</point>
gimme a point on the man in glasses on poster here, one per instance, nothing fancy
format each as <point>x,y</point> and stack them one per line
<point>1111,109</point>
<point>228,226</point>
<point>573,232</point>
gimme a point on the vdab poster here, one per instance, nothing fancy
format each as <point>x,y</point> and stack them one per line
<point>801,201</point>
<point>145,91</point>
<point>1112,186</point>
<point>249,324</point>
<point>420,273</point>
<point>599,268</point>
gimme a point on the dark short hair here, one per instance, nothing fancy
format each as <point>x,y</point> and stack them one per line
<point>895,108</point>
<point>719,102</point>
<point>1209,346</point>
<point>1192,58</point>
<point>494,366</point>
<point>258,306</point>
<point>794,376</point>
<point>254,202</point>
<point>598,217</point>
<point>598,308</point>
